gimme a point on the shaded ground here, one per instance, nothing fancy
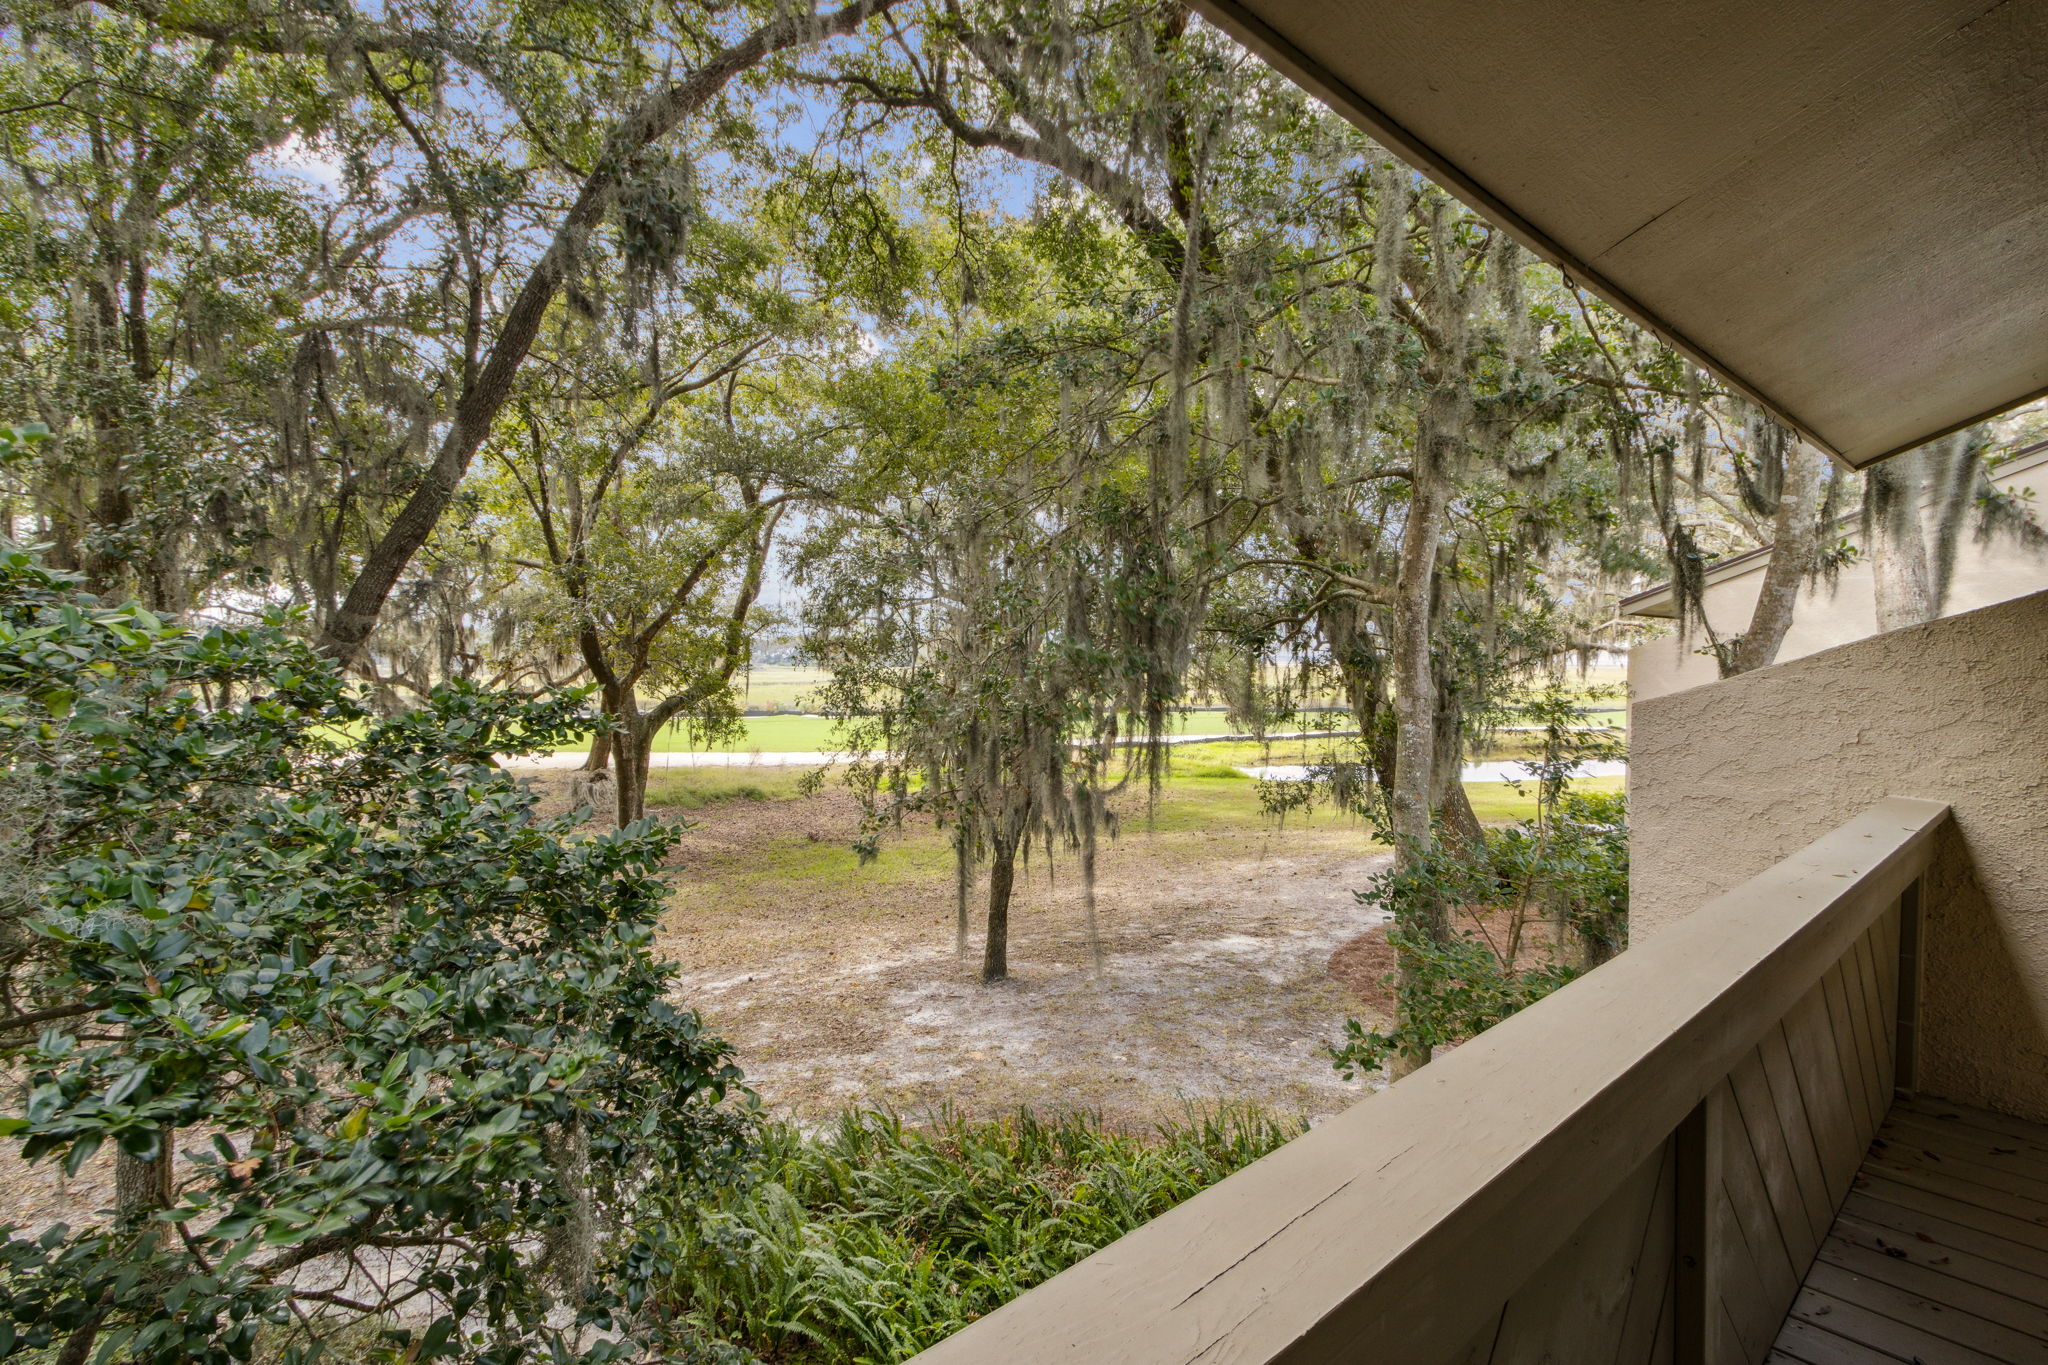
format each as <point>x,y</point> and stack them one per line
<point>840,984</point>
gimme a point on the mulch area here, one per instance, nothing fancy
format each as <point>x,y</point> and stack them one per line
<point>1365,965</point>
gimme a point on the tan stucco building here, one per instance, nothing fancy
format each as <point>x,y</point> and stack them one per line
<point>1834,611</point>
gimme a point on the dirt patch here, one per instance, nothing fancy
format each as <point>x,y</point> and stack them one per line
<point>840,984</point>
<point>1363,965</point>
<point>1366,963</point>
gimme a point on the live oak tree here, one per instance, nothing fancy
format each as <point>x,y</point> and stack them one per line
<point>1703,473</point>
<point>649,523</point>
<point>148,300</point>
<point>1917,509</point>
<point>1006,602</point>
<point>524,137</point>
<point>1336,348</point>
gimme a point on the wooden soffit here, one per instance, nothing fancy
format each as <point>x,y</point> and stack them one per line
<point>1838,206</point>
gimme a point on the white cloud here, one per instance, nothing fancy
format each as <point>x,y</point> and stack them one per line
<point>307,161</point>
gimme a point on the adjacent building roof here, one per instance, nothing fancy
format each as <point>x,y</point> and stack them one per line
<point>1841,208</point>
<point>1660,601</point>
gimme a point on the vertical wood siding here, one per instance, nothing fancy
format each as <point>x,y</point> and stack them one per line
<point>1789,1127</point>
<point>1641,1168</point>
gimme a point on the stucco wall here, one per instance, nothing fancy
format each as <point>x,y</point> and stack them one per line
<point>1728,778</point>
<point>1835,613</point>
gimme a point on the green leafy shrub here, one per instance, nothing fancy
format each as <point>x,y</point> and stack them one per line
<point>874,1239</point>
<point>1574,867</point>
<point>1568,869</point>
<point>382,1055</point>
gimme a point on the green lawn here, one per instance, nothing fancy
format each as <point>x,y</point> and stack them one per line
<point>1194,803</point>
<point>687,789</point>
<point>816,734</point>
<point>791,689</point>
<point>1196,796</point>
<point>781,687</point>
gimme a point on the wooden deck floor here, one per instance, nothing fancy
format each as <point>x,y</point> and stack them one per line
<point>1940,1254</point>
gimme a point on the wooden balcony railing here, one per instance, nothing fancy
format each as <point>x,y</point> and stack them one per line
<point>1602,1177</point>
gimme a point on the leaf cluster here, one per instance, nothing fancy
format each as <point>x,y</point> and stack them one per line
<point>371,1039</point>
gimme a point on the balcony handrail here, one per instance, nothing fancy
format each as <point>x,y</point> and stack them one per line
<point>1397,1230</point>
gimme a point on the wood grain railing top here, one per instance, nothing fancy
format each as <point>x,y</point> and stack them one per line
<point>1397,1230</point>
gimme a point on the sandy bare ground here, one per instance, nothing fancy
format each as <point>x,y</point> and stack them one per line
<point>839,985</point>
<point>1216,985</point>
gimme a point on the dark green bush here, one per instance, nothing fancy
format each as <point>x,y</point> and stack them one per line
<point>382,1055</point>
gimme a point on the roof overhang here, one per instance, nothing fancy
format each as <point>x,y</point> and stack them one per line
<point>1841,209</point>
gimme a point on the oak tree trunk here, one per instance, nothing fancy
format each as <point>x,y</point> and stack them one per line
<point>1904,588</point>
<point>1415,700</point>
<point>1002,876</point>
<point>1453,806</point>
<point>632,748</point>
<point>140,1185</point>
<point>1795,544</point>
<point>1090,813</point>
<point>963,888</point>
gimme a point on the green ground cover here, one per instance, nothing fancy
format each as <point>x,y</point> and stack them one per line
<point>781,687</point>
<point>874,1239</point>
<point>688,789</point>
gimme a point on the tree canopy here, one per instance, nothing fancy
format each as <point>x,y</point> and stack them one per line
<point>419,383</point>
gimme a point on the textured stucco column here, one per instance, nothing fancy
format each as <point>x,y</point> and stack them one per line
<point>1728,778</point>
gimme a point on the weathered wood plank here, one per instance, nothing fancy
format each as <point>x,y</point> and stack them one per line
<point>1729,1348</point>
<point>1770,1148</point>
<point>1651,1286</point>
<point>1877,1024</point>
<point>1814,1345</point>
<point>1853,1047</point>
<point>1750,1295</point>
<point>2016,1133</point>
<point>1964,1194</point>
<point>1791,1107</point>
<point>1952,1286</point>
<point>1901,1145</point>
<point>1809,1036</point>
<point>1479,1350</point>
<point>1919,1223</point>
<point>1936,1317</point>
<point>1885,1186</point>
<point>1756,1222</point>
<point>1925,1250</point>
<point>1912,923</point>
<point>1989,1151</point>
<point>1664,1349</point>
<point>1886,947</point>
<point>1868,1328</point>
<point>1574,1308</point>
